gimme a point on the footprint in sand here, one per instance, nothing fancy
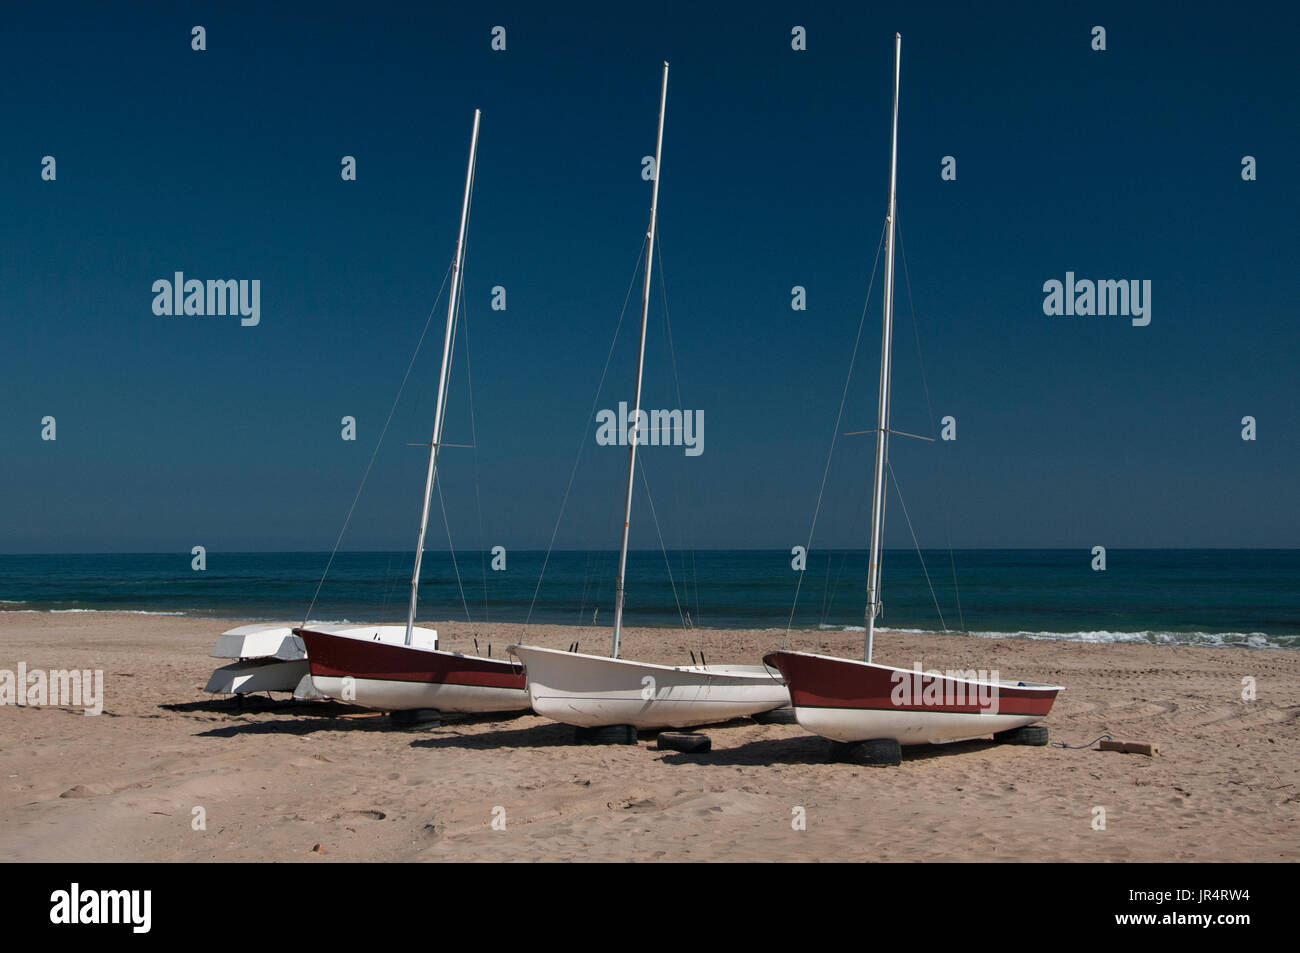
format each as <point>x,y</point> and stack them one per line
<point>86,790</point>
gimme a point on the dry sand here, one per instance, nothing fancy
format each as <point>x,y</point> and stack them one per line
<point>276,779</point>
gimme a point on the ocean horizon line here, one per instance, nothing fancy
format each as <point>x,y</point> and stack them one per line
<point>678,549</point>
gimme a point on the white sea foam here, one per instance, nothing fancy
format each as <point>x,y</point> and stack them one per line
<point>1253,640</point>
<point>109,611</point>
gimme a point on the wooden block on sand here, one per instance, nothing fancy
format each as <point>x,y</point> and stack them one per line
<point>1130,747</point>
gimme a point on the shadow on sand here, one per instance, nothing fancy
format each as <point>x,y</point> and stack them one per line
<point>313,716</point>
<point>542,734</point>
<point>261,705</point>
<point>811,750</point>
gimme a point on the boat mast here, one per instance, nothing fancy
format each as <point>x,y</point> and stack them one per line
<point>886,347</point>
<point>640,366</point>
<point>449,337</point>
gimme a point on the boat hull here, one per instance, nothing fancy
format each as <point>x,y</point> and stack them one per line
<point>268,657</point>
<point>847,700</point>
<point>262,640</point>
<point>588,691</point>
<point>352,666</point>
<point>257,675</point>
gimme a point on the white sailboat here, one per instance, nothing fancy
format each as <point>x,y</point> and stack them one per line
<point>849,701</point>
<point>401,668</point>
<point>591,691</point>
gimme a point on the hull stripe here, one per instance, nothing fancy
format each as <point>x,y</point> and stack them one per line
<point>841,684</point>
<point>341,657</point>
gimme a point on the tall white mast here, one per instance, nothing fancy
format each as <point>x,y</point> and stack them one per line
<point>886,347</point>
<point>448,338</point>
<point>640,366</point>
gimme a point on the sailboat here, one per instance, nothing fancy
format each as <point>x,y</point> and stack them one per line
<point>595,691</point>
<point>851,702</point>
<point>401,668</point>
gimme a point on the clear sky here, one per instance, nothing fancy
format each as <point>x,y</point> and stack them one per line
<point>224,163</point>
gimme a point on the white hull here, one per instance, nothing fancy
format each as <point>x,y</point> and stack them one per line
<point>850,700</point>
<point>306,691</point>
<point>421,638</point>
<point>906,727</point>
<point>371,666</point>
<point>390,695</point>
<point>592,690</point>
<point>274,640</point>
<point>257,675</point>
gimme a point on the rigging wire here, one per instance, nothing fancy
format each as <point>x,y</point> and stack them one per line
<point>646,484</point>
<point>836,432</point>
<point>446,394</point>
<point>452,549</point>
<point>947,523</point>
<point>378,443</point>
<point>899,492</point>
<point>586,587</point>
<point>829,591</point>
<point>442,504</point>
<point>598,573</point>
<point>473,440</point>
<point>388,591</point>
<point>583,441</point>
<point>677,388</point>
<point>826,585</point>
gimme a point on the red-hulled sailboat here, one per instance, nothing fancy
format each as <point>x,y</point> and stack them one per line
<point>849,701</point>
<point>401,668</point>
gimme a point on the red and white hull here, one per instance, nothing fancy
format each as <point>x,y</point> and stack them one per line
<point>593,690</point>
<point>847,700</point>
<point>371,666</point>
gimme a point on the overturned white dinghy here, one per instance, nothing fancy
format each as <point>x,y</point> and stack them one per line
<point>256,675</point>
<point>261,640</point>
<point>269,658</point>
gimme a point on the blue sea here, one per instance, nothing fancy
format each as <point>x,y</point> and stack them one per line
<point>1247,598</point>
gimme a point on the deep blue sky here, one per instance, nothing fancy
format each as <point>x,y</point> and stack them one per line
<point>1078,431</point>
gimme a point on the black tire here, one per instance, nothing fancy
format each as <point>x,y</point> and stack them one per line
<point>779,716</point>
<point>606,735</point>
<point>1034,735</point>
<point>690,742</point>
<point>876,752</point>
<point>416,718</point>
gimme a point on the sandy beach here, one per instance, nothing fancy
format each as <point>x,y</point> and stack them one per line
<point>275,779</point>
